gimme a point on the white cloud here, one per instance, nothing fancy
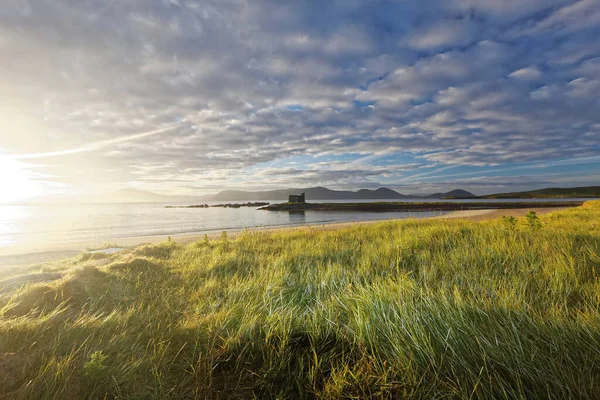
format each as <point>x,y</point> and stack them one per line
<point>528,73</point>
<point>445,33</point>
<point>459,80</point>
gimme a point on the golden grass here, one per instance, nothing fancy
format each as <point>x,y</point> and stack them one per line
<point>402,309</point>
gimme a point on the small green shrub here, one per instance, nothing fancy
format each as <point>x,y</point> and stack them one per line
<point>95,369</point>
<point>224,241</point>
<point>533,221</point>
<point>510,222</point>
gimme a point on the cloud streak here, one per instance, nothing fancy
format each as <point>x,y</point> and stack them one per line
<point>95,146</point>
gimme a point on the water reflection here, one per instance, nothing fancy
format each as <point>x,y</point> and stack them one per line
<point>297,217</point>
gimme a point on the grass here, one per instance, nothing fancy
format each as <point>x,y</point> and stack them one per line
<point>398,309</point>
<point>575,192</point>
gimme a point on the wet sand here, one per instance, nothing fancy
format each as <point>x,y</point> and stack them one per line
<point>54,252</point>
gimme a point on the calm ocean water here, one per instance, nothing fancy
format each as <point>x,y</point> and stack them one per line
<point>39,227</point>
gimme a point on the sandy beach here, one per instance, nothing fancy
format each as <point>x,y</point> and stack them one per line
<point>480,215</point>
<point>53,252</point>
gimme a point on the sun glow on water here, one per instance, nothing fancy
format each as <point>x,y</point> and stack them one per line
<point>11,221</point>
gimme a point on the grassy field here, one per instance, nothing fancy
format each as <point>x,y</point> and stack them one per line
<point>549,193</point>
<point>403,309</point>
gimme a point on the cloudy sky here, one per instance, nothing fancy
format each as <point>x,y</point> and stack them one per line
<point>191,97</point>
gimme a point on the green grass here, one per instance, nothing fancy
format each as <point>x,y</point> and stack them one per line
<point>400,309</point>
<point>576,192</point>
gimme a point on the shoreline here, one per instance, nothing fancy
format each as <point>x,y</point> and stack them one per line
<point>20,256</point>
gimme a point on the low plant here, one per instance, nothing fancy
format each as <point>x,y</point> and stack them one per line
<point>95,369</point>
<point>510,222</point>
<point>533,221</point>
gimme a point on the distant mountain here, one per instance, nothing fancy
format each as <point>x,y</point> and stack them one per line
<point>322,193</point>
<point>314,193</point>
<point>580,192</point>
<point>453,194</point>
<point>119,196</point>
<point>142,196</point>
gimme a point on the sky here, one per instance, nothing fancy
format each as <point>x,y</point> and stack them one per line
<point>193,97</point>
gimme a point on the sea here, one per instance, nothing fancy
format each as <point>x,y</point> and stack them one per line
<point>30,228</point>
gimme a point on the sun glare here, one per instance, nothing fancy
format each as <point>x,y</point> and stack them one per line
<point>17,181</point>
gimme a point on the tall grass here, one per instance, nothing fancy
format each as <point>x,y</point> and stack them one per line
<point>402,309</point>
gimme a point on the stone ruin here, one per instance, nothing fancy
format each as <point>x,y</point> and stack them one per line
<point>297,199</point>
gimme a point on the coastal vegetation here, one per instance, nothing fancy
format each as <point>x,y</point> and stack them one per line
<point>505,308</point>
<point>576,192</point>
<point>415,206</point>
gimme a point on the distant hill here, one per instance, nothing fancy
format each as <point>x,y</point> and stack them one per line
<point>119,196</point>
<point>142,196</point>
<point>453,194</point>
<point>580,192</point>
<point>322,193</point>
<point>314,193</point>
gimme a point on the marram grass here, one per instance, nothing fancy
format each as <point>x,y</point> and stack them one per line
<point>425,309</point>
